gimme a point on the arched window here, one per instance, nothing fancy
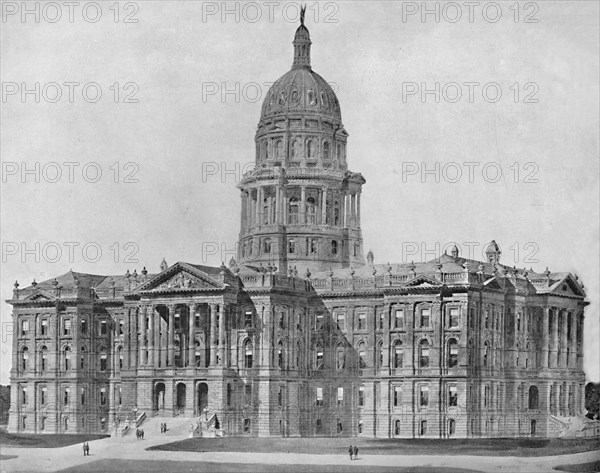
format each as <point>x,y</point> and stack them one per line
<point>293,211</point>
<point>311,211</point>
<point>339,151</point>
<point>120,353</point>
<point>318,357</point>
<point>103,359</point>
<point>334,247</point>
<point>25,359</point>
<point>295,149</point>
<point>485,353</point>
<point>533,426</point>
<point>279,148</point>
<point>340,356</point>
<point>398,354</point>
<point>67,358</point>
<point>424,354</point>
<point>310,149</point>
<point>451,427</point>
<point>326,150</point>
<point>267,245</point>
<point>82,358</point>
<point>44,358</point>
<point>248,354</point>
<point>314,245</point>
<point>265,149</point>
<point>379,355</point>
<point>361,355</point>
<point>280,354</point>
<point>533,397</point>
<point>291,246</point>
<point>452,353</point>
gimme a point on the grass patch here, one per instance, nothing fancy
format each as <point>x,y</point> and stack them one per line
<point>45,440</point>
<point>147,466</point>
<point>590,467</point>
<point>336,446</point>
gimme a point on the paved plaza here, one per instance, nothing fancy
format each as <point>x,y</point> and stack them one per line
<point>129,454</point>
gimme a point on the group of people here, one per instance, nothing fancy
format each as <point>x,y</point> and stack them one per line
<point>86,449</point>
<point>139,433</point>
<point>163,427</point>
<point>353,451</point>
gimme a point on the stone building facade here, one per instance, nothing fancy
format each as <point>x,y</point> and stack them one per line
<point>301,336</point>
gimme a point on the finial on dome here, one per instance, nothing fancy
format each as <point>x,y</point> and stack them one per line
<point>370,257</point>
<point>454,251</point>
<point>163,265</point>
<point>302,44</point>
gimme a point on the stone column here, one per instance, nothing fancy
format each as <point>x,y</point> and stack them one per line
<point>192,335</point>
<point>157,338</point>
<point>142,336</point>
<point>244,215</point>
<point>222,314</point>
<point>554,335</point>
<point>572,361</point>
<point>324,207</point>
<point>128,342</point>
<point>213,333</point>
<point>563,340</point>
<point>346,216</point>
<point>546,313</point>
<point>171,336</point>
<point>277,219</point>
<point>302,206</point>
<point>358,210</point>
<point>257,208</point>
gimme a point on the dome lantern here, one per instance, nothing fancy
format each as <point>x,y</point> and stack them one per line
<point>302,44</point>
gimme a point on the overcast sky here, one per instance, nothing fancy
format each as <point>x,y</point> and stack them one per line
<point>174,132</point>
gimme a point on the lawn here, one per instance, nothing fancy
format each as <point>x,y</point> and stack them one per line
<point>330,446</point>
<point>44,440</point>
<point>187,467</point>
<point>591,467</point>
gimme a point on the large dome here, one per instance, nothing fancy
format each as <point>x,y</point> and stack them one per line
<point>301,91</point>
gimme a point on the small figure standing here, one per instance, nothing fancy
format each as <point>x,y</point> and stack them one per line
<point>84,449</point>
<point>350,451</point>
<point>142,434</point>
<point>162,428</point>
<point>165,427</point>
<point>87,449</point>
<point>355,452</point>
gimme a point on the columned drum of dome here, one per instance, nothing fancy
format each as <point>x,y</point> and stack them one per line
<point>301,204</point>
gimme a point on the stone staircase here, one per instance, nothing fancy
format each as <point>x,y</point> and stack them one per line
<point>207,426</point>
<point>176,426</point>
<point>578,426</point>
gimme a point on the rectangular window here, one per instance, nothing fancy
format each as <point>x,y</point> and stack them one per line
<point>103,396</point>
<point>453,396</point>
<point>248,394</point>
<point>83,396</point>
<point>25,327</point>
<point>362,321</point>
<point>399,319</point>
<point>381,319</point>
<point>280,395</point>
<point>424,396</point>
<point>453,320</point>
<point>361,396</point>
<point>44,327</point>
<point>397,396</point>
<point>248,318</point>
<point>103,327</point>
<point>103,362</point>
<point>340,396</point>
<point>83,327</point>
<point>247,424</point>
<point>66,396</point>
<point>423,429</point>
<point>319,400</point>
<point>197,320</point>
<point>319,321</point>
<point>486,396</point>
<point>43,395</point>
<point>425,314</point>
<point>24,396</point>
<point>341,321</point>
<point>67,327</point>
<point>122,325</point>
<point>319,359</point>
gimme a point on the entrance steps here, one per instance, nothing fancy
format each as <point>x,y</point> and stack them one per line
<point>176,426</point>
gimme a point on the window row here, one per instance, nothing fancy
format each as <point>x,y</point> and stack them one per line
<point>66,330</point>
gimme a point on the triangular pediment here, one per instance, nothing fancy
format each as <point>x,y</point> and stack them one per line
<point>423,282</point>
<point>180,277</point>
<point>568,286</point>
<point>493,283</point>
<point>39,296</point>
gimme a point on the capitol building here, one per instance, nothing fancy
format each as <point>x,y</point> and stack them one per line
<point>303,334</point>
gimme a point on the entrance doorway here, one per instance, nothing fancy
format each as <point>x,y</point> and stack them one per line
<point>181,388</point>
<point>202,397</point>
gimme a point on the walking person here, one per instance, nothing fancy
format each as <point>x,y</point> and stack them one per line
<point>165,427</point>
<point>350,451</point>
<point>87,449</point>
<point>355,452</point>
<point>142,434</point>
